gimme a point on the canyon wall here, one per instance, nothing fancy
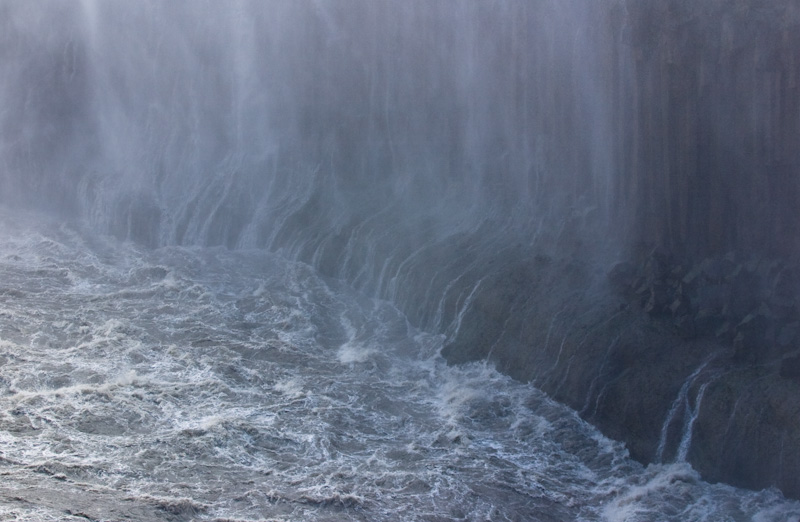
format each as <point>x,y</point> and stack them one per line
<point>600,197</point>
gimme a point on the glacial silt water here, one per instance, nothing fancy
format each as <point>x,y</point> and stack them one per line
<point>208,384</point>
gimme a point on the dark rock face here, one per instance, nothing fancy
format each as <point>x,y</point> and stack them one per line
<point>747,432</point>
<point>709,125</point>
<point>743,302</point>
<point>622,362</point>
<point>743,308</point>
<point>790,368</point>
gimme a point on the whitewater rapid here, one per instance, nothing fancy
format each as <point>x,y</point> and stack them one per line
<point>209,384</point>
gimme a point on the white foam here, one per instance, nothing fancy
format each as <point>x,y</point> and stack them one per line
<point>641,499</point>
<point>159,394</point>
<point>351,353</point>
<point>127,379</point>
<point>261,290</point>
<point>292,388</point>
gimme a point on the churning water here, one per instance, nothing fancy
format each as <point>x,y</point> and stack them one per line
<point>208,384</point>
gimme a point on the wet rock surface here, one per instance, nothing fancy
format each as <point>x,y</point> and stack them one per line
<point>747,302</point>
<point>680,360</point>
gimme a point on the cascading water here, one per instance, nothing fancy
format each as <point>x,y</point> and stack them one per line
<point>311,201</point>
<point>208,384</point>
<point>294,124</point>
<point>681,406</point>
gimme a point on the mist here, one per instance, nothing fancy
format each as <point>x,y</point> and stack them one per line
<point>193,113</point>
<point>480,165</point>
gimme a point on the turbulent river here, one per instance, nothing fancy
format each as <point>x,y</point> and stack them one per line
<point>209,384</point>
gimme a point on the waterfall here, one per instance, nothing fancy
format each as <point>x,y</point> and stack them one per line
<point>290,126</point>
<point>686,436</point>
<point>480,164</point>
<point>688,413</point>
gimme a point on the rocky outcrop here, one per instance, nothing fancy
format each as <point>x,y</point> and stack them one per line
<point>747,302</point>
<point>678,360</point>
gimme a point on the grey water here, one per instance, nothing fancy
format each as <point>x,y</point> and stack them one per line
<point>198,383</point>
